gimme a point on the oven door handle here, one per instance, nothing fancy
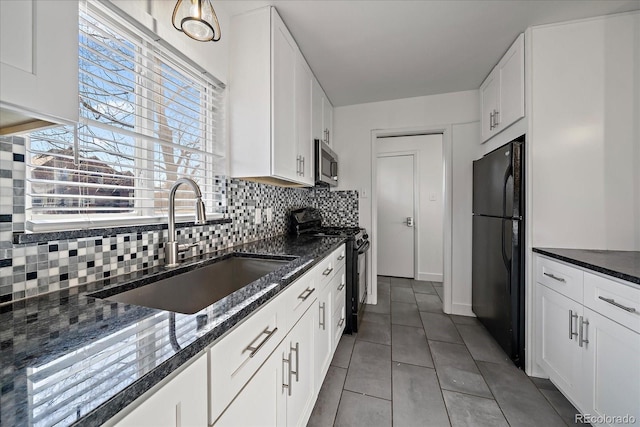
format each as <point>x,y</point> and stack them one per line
<point>364,248</point>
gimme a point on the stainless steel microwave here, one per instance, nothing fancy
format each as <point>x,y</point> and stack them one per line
<point>326,164</point>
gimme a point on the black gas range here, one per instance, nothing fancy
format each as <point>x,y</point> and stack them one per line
<point>308,221</point>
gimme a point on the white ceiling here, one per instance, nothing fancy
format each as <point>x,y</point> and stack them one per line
<point>376,50</point>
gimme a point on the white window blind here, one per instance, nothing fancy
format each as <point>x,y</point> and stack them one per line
<point>148,117</point>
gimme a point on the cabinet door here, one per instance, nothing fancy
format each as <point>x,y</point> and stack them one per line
<point>40,71</point>
<point>301,356</point>
<point>611,368</point>
<point>327,118</point>
<point>263,401</point>
<point>323,336</point>
<point>558,351</point>
<point>182,402</point>
<point>489,97</point>
<point>317,129</point>
<point>235,358</point>
<point>283,122</point>
<point>304,87</point>
<point>511,69</point>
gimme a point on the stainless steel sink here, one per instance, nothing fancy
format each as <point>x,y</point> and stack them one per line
<point>194,290</point>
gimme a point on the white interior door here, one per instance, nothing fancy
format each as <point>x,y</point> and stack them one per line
<point>396,197</point>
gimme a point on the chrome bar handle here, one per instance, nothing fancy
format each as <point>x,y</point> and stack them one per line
<point>297,350</point>
<point>324,314</point>
<point>257,348</point>
<point>341,257</point>
<point>341,287</point>
<point>582,334</point>
<point>559,279</point>
<point>617,304</point>
<point>496,118</point>
<point>302,167</point>
<point>287,385</point>
<point>308,293</point>
<point>340,323</point>
<point>572,316</point>
<point>327,271</point>
<point>491,121</point>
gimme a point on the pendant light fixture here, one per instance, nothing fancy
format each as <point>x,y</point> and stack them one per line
<point>197,19</point>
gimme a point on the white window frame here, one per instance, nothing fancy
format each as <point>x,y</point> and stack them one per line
<point>212,135</point>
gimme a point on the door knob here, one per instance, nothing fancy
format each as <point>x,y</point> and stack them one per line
<point>409,221</point>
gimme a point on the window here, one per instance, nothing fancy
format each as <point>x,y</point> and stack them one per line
<point>148,117</point>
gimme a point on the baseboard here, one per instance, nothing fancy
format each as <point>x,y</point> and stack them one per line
<point>430,277</point>
<point>462,309</point>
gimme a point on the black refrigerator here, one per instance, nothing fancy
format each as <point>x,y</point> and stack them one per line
<point>498,246</point>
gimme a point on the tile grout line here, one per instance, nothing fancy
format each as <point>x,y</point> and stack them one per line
<point>475,362</point>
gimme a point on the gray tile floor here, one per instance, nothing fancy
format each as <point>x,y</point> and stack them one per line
<point>412,365</point>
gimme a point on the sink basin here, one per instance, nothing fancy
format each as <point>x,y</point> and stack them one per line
<point>194,290</point>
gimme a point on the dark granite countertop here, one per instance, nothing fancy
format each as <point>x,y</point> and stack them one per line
<point>68,358</point>
<point>624,265</point>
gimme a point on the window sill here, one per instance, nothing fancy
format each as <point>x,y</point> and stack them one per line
<point>40,237</point>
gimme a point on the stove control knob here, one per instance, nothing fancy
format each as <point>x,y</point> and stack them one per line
<point>365,236</point>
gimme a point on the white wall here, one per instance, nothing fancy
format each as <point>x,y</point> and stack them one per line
<point>352,141</point>
<point>429,223</point>
<point>466,149</point>
<point>585,134</point>
<point>156,16</point>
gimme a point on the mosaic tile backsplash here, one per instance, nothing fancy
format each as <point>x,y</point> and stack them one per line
<point>27,270</point>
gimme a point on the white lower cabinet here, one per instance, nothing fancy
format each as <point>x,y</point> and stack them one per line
<point>182,402</point>
<point>558,352</point>
<point>281,392</point>
<point>591,356</point>
<point>262,402</point>
<point>323,333</point>
<point>611,368</point>
<point>300,378</point>
<point>265,372</point>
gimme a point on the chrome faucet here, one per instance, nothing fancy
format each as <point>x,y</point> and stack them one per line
<point>172,249</point>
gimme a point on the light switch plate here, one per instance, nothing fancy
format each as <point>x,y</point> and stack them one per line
<point>269,212</point>
<point>258,216</point>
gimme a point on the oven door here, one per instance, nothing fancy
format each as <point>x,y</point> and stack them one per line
<point>363,288</point>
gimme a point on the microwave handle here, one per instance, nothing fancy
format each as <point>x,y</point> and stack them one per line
<point>334,171</point>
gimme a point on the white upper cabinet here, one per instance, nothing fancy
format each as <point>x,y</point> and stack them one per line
<point>489,96</point>
<point>502,92</point>
<point>270,91</point>
<point>283,97</point>
<point>322,115</point>
<point>317,129</point>
<point>304,87</point>
<point>38,64</point>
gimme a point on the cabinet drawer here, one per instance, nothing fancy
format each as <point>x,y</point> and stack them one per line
<point>236,357</point>
<point>299,297</point>
<point>339,257</point>
<point>325,269</point>
<point>339,285</point>
<point>614,300</point>
<point>560,277</point>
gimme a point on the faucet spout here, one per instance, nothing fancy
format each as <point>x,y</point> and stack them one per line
<point>172,248</point>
